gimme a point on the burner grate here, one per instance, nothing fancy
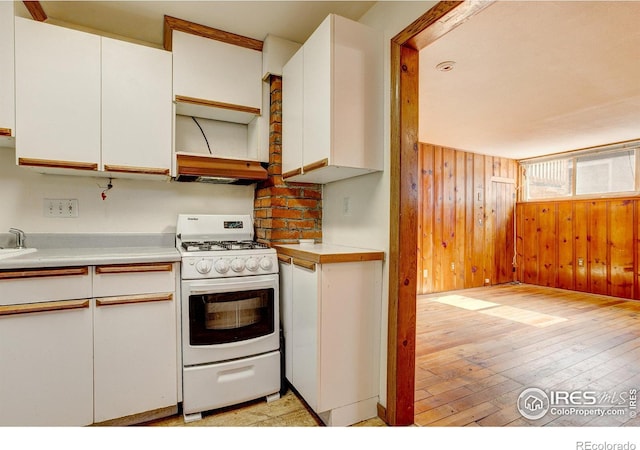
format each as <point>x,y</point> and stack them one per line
<point>202,246</point>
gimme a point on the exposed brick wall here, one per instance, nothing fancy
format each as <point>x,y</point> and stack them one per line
<point>284,212</point>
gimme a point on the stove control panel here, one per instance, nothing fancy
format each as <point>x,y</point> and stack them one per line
<point>194,267</point>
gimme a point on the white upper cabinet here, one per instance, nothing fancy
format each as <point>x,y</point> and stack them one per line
<point>218,80</point>
<point>136,108</point>
<point>7,102</point>
<point>87,104</point>
<point>342,104</point>
<point>57,96</point>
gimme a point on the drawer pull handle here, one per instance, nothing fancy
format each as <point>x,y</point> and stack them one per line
<point>140,170</point>
<point>34,273</point>
<point>57,164</point>
<point>135,268</point>
<point>305,264</point>
<point>43,307</point>
<point>131,299</point>
<point>284,259</point>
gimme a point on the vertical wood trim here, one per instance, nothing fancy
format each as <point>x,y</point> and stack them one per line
<point>518,209</point>
<point>402,246</point>
<point>566,246</point>
<point>461,219</point>
<point>636,287</point>
<point>470,231</point>
<point>439,271</point>
<point>609,243</point>
<point>448,219</point>
<point>556,247</point>
<point>580,238</point>
<point>480,220</point>
<point>489,220</point>
<point>574,244</point>
<point>421,240</point>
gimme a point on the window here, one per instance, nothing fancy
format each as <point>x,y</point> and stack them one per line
<point>596,172</point>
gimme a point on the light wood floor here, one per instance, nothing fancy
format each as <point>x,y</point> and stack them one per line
<point>478,349</point>
<point>287,411</point>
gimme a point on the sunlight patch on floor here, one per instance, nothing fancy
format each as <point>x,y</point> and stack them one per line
<point>524,316</point>
<point>461,301</point>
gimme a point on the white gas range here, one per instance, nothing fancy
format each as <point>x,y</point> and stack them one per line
<point>230,313</point>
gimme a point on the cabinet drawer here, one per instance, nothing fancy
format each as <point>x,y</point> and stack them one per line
<point>44,285</point>
<point>131,279</point>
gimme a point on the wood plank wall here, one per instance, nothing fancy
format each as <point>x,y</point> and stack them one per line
<point>582,245</point>
<point>465,224</point>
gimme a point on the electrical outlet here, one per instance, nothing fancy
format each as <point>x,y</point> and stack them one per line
<point>453,267</point>
<point>60,208</point>
<point>425,273</point>
<point>580,262</point>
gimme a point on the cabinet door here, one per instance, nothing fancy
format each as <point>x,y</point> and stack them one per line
<point>216,71</point>
<point>57,95</point>
<point>304,335</point>
<point>286,310</point>
<point>317,96</point>
<point>136,108</point>
<point>7,105</point>
<point>292,110</point>
<point>46,368</point>
<point>357,114</point>
<point>135,367</point>
<point>349,330</point>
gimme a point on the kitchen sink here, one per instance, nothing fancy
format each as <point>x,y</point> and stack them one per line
<point>11,252</point>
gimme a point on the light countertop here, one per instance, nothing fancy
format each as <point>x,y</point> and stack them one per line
<point>328,253</point>
<point>63,250</point>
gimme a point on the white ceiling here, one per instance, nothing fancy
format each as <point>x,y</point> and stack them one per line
<point>143,20</point>
<point>534,78</point>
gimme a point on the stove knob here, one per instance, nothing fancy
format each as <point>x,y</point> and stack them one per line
<point>266,263</point>
<point>222,266</point>
<point>237,265</point>
<point>252,264</point>
<point>203,266</point>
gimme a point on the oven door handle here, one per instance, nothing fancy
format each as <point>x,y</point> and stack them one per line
<point>226,287</point>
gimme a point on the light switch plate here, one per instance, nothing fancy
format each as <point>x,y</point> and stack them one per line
<point>61,208</point>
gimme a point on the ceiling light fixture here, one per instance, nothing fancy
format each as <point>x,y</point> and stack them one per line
<point>446,66</point>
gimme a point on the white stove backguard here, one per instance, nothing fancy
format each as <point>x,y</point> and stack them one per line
<point>214,227</point>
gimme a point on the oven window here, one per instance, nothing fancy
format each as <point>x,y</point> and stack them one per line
<point>230,316</point>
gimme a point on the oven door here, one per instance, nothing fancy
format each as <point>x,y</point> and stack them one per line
<point>229,318</point>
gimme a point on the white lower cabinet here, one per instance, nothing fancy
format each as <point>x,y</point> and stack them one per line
<point>88,345</point>
<point>46,349</point>
<point>331,319</point>
<point>134,355</point>
<point>134,340</point>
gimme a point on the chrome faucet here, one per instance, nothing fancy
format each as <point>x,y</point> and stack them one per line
<point>20,237</point>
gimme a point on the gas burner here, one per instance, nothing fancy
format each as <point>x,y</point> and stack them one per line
<point>203,246</point>
<point>242,245</point>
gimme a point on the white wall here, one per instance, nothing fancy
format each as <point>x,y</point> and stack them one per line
<point>368,223</point>
<point>132,206</point>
